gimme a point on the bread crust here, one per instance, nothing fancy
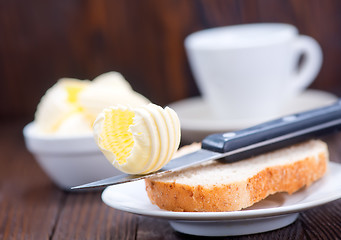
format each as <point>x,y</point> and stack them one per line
<point>289,178</point>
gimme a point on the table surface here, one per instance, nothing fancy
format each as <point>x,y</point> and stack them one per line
<point>32,207</point>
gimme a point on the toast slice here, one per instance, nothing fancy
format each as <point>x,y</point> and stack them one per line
<point>215,186</point>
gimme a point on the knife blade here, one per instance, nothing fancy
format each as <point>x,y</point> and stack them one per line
<point>238,145</point>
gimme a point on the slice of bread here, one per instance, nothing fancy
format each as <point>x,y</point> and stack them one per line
<point>215,186</point>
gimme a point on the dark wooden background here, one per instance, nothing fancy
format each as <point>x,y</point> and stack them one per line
<point>43,40</point>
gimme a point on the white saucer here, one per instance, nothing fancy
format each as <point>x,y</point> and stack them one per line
<point>274,212</point>
<point>197,121</point>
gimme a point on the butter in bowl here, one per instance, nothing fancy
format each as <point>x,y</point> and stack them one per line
<point>68,160</point>
<point>60,137</point>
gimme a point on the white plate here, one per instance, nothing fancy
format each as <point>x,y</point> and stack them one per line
<point>275,212</point>
<point>197,121</point>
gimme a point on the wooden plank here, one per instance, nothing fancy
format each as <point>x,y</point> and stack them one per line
<point>85,216</point>
<point>154,228</point>
<point>29,202</point>
<point>323,222</point>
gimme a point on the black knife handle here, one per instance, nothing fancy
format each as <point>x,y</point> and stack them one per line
<point>280,132</point>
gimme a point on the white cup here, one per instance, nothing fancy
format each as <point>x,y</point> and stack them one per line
<point>250,71</point>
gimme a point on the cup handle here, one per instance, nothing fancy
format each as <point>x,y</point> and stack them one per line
<point>312,61</point>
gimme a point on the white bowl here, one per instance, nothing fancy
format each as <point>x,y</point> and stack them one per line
<point>68,161</point>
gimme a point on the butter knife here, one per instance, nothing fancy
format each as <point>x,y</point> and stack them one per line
<point>238,145</point>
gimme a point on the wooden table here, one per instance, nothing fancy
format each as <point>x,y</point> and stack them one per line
<point>31,207</point>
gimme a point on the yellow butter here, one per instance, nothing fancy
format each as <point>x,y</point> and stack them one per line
<point>138,140</point>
